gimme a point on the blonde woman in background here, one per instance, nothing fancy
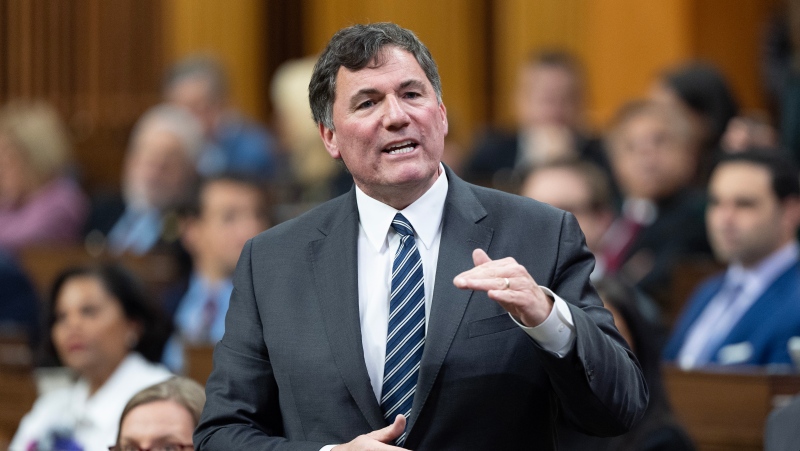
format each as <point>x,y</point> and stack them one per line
<point>312,168</point>
<point>161,417</point>
<point>39,202</point>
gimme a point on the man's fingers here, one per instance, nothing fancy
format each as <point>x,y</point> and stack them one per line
<point>479,257</point>
<point>492,283</point>
<point>391,432</point>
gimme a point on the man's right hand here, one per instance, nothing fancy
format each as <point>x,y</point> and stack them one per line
<point>377,440</point>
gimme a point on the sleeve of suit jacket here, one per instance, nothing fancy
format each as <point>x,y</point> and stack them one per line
<point>599,384</point>
<point>242,410</point>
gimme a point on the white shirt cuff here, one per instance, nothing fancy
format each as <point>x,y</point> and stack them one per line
<point>328,447</point>
<point>556,333</point>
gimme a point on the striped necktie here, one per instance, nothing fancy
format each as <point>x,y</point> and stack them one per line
<point>406,332</point>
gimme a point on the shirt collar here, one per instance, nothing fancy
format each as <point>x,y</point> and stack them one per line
<point>201,284</point>
<point>768,269</point>
<point>425,214</point>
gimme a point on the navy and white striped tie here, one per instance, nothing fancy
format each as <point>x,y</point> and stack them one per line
<point>406,333</point>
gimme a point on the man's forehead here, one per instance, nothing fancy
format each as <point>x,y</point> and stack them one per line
<point>412,70</point>
<point>741,177</point>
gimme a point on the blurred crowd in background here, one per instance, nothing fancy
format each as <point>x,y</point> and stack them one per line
<point>680,185</point>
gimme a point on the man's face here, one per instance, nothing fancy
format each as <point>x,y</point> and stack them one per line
<point>650,160</point>
<point>745,220</point>
<point>548,96</point>
<point>565,189</point>
<point>389,128</point>
<point>231,213</point>
<point>194,94</point>
<point>158,170</point>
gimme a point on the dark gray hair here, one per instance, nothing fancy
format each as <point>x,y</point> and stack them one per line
<point>203,66</point>
<point>354,48</point>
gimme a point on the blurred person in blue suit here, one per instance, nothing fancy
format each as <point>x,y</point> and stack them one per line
<point>224,213</point>
<point>747,314</point>
<point>234,144</point>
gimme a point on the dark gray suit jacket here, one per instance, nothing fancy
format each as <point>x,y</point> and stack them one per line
<point>781,432</point>
<point>289,374</point>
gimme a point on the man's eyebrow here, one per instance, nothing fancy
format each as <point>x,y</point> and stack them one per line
<point>366,92</point>
<point>413,84</point>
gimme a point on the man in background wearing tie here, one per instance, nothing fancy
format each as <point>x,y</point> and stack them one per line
<point>407,314</point>
<point>222,214</point>
<point>748,314</point>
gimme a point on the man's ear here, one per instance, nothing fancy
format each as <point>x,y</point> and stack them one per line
<point>443,111</point>
<point>791,212</point>
<point>329,139</point>
<point>189,229</point>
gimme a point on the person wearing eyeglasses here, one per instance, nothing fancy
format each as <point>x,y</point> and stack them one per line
<point>161,417</point>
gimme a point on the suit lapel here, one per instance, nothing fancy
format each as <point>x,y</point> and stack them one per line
<point>460,236</point>
<point>335,266</point>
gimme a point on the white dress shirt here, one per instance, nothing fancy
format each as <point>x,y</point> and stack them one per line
<point>722,313</point>
<point>377,244</point>
<point>93,420</point>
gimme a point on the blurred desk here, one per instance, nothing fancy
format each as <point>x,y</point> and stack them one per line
<point>725,409</point>
<point>17,385</point>
<point>199,361</point>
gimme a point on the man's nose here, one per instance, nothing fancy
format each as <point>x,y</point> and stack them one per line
<point>394,115</point>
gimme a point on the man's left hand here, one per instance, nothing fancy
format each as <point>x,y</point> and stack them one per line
<point>509,284</point>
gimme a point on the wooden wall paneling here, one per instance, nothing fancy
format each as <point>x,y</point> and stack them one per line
<point>117,65</point>
<point>3,50</point>
<point>520,27</point>
<point>453,30</point>
<point>731,39</point>
<point>234,31</point>
<point>92,59</point>
<point>628,44</point>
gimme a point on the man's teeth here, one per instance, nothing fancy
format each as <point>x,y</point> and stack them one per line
<point>401,148</point>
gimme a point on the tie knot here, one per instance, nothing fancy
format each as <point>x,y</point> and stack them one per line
<point>402,226</point>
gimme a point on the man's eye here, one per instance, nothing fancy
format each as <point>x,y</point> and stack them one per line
<point>412,95</point>
<point>365,104</point>
<point>171,447</point>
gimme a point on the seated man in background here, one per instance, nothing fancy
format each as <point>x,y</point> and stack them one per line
<point>582,189</point>
<point>233,144</point>
<point>654,159</point>
<point>158,174</point>
<point>550,111</point>
<point>226,212</point>
<point>748,314</point>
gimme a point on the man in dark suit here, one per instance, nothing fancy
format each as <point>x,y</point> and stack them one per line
<point>407,313</point>
<point>661,222</point>
<point>748,314</point>
<point>158,173</point>
<point>550,110</point>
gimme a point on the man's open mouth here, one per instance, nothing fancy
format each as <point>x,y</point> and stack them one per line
<point>401,148</point>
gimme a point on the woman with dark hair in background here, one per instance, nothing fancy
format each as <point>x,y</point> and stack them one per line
<point>102,327</point>
<point>702,90</point>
